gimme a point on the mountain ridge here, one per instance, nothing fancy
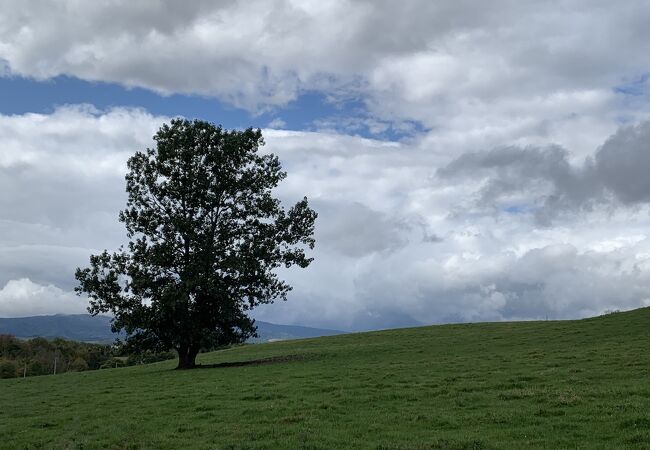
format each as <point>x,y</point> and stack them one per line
<point>87,328</point>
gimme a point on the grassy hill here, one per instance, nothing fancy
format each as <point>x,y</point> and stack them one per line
<point>557,384</point>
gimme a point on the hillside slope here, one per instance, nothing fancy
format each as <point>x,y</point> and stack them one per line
<point>557,384</point>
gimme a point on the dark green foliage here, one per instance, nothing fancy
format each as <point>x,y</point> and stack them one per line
<point>206,238</point>
<point>8,369</point>
<point>547,385</point>
<point>78,365</point>
<point>36,356</point>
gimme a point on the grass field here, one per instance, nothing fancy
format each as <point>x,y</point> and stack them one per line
<point>568,384</point>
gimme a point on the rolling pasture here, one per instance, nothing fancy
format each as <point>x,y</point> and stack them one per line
<point>551,384</point>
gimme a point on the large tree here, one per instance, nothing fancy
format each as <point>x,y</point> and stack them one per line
<point>206,238</point>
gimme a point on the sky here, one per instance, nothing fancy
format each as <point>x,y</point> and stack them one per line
<point>469,161</point>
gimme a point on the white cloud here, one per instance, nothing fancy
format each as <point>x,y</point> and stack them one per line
<point>543,182</point>
<point>354,230</point>
<point>478,75</point>
<point>22,297</point>
<point>277,123</point>
<point>61,186</point>
<point>513,204</point>
<point>396,245</point>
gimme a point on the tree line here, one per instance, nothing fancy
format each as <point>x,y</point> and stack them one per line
<point>40,356</point>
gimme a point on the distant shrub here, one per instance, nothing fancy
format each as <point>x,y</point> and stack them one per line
<point>10,347</point>
<point>8,369</point>
<point>36,368</point>
<point>113,363</point>
<point>78,365</point>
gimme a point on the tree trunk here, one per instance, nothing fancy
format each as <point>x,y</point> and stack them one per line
<point>186,358</point>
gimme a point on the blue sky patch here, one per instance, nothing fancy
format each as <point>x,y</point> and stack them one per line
<point>517,209</point>
<point>634,87</point>
<point>312,111</point>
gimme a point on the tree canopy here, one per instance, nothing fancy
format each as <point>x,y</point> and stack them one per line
<point>206,237</point>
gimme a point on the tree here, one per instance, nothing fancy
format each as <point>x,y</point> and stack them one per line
<point>8,369</point>
<point>78,365</point>
<point>206,237</point>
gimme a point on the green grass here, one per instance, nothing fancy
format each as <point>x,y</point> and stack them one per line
<point>568,384</point>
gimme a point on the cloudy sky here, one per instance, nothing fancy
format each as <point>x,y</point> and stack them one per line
<point>469,161</point>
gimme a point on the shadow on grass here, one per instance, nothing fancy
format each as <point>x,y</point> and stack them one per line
<point>252,362</point>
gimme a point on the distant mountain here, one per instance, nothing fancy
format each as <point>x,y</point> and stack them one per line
<point>77,327</point>
<point>86,328</point>
<point>273,332</point>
